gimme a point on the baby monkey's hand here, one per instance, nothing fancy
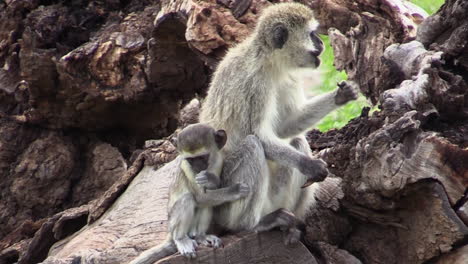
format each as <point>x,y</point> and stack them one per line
<point>207,180</point>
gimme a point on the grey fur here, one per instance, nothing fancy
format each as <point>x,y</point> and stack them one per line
<point>193,194</point>
<point>256,99</point>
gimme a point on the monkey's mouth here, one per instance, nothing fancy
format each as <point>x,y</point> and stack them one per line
<point>316,61</point>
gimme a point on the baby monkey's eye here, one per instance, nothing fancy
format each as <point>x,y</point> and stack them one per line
<point>200,158</point>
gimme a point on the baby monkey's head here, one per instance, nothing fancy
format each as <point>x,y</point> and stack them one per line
<point>197,142</point>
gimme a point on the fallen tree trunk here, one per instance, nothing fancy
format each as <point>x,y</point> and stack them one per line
<point>88,83</point>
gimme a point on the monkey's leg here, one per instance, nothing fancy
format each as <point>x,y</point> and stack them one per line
<point>203,217</point>
<point>290,223</point>
<point>246,165</point>
<point>180,221</point>
<point>201,221</point>
<point>286,221</point>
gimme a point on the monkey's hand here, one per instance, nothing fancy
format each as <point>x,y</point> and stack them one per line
<point>241,190</point>
<point>315,170</point>
<point>207,180</point>
<point>347,91</point>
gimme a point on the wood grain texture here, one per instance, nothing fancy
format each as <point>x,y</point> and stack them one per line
<point>250,248</point>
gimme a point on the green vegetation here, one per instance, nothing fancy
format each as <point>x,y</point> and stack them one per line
<point>431,6</point>
<point>331,76</point>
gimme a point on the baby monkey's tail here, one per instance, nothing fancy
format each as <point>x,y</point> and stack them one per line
<point>156,253</point>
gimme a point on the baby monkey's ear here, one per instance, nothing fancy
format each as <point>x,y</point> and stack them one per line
<point>220,138</point>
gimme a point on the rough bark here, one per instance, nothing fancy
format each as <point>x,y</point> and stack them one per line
<point>83,85</point>
<point>81,88</point>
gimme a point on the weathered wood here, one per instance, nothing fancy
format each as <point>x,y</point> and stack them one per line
<point>139,215</point>
<point>250,248</point>
<point>458,256</point>
<point>120,72</point>
<point>85,71</point>
<point>10,246</point>
<point>463,212</point>
<point>360,31</point>
<point>427,227</point>
<point>381,156</point>
<point>202,22</point>
<point>112,238</point>
<point>55,228</point>
<point>152,157</point>
<point>332,254</point>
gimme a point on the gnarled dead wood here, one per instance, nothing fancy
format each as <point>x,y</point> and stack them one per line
<point>399,195</point>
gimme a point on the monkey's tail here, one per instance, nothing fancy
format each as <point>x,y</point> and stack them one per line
<point>156,253</point>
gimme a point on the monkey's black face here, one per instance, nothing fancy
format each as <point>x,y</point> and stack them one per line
<point>303,48</point>
<point>199,163</point>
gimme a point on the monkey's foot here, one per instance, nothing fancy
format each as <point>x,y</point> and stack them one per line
<point>186,247</point>
<point>292,236</point>
<point>210,241</point>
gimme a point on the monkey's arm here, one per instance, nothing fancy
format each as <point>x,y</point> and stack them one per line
<point>223,195</point>
<point>316,108</point>
<point>284,154</point>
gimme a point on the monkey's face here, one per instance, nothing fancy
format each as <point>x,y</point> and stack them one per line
<point>301,45</point>
<point>199,163</point>
<point>197,143</point>
<point>306,47</point>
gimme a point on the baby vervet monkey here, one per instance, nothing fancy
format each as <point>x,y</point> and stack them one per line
<point>194,193</point>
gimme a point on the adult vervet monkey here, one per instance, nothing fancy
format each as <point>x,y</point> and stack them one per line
<point>257,100</point>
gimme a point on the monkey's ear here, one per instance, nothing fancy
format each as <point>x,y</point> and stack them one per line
<point>220,138</point>
<point>280,35</point>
